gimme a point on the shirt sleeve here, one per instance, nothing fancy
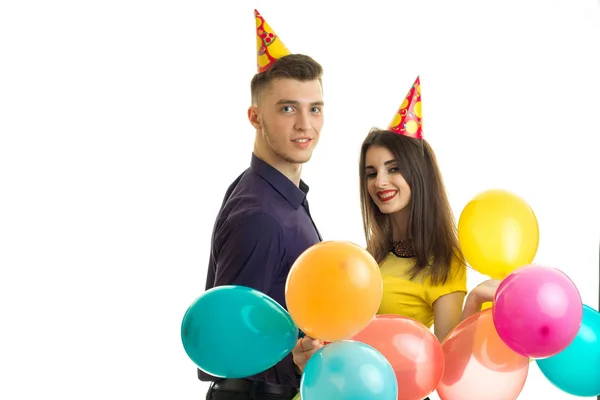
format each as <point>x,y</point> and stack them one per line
<point>251,253</point>
<point>457,282</point>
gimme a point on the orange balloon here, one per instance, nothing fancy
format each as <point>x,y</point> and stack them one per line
<point>333,290</point>
<point>478,363</point>
<point>414,352</point>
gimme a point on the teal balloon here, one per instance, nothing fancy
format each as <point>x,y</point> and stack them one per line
<point>348,370</point>
<point>576,369</point>
<point>236,332</point>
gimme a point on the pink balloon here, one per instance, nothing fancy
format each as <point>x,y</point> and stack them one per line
<point>479,365</point>
<point>537,311</point>
<point>413,351</point>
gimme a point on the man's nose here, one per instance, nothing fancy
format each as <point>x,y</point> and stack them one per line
<point>302,122</point>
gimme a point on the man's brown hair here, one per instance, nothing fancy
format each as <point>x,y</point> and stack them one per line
<point>293,66</point>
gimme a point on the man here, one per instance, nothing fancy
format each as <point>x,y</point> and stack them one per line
<point>264,223</point>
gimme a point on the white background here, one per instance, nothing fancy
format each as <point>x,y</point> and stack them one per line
<point>123,122</point>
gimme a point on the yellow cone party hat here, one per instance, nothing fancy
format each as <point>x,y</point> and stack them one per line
<point>269,46</point>
<point>408,120</point>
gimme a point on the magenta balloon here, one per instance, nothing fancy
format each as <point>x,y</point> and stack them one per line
<point>537,311</point>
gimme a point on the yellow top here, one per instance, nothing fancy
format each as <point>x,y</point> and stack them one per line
<point>414,299</point>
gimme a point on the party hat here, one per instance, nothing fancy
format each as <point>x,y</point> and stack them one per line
<point>269,46</point>
<point>408,119</point>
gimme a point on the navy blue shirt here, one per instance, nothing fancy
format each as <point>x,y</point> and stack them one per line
<point>263,225</point>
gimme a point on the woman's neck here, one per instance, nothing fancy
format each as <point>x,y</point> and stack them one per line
<point>399,224</point>
<point>402,246</point>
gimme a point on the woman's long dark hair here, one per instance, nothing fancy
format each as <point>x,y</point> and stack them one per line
<point>431,223</point>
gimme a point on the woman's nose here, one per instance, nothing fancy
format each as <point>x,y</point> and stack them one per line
<point>381,181</point>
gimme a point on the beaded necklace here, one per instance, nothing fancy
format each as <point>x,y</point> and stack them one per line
<point>403,248</point>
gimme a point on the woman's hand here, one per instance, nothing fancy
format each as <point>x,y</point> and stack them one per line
<point>304,349</point>
<point>485,291</point>
<point>482,293</point>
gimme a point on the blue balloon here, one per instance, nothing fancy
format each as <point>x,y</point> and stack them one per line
<point>576,369</point>
<point>348,370</point>
<point>236,332</point>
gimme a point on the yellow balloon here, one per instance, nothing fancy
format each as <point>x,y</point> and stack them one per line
<point>297,397</point>
<point>498,233</point>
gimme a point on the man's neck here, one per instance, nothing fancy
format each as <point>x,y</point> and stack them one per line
<point>290,170</point>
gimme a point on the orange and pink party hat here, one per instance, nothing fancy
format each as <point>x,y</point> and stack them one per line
<point>408,119</point>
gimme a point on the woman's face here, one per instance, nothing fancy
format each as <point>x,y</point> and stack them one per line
<point>385,184</point>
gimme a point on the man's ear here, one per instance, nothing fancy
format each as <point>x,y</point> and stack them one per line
<point>253,117</point>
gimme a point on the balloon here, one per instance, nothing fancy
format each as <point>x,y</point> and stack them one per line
<point>498,232</point>
<point>537,311</point>
<point>478,363</point>
<point>297,397</point>
<point>236,332</point>
<point>486,305</point>
<point>333,290</point>
<point>576,369</point>
<point>413,351</point>
<point>348,370</point>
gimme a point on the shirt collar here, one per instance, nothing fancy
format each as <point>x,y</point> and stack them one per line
<point>292,193</point>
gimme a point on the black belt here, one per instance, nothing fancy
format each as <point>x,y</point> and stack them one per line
<point>248,386</point>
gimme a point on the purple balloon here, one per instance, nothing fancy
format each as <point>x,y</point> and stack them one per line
<point>537,311</point>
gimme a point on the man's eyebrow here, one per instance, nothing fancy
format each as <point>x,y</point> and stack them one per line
<point>286,101</point>
<point>295,102</point>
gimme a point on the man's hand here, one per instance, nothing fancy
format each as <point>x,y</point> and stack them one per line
<point>304,349</point>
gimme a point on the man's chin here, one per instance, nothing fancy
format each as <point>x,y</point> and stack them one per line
<point>301,161</point>
<point>298,160</point>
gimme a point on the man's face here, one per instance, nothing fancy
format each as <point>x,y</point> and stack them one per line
<point>288,119</point>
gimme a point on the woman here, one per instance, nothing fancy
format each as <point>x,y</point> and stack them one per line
<point>409,226</point>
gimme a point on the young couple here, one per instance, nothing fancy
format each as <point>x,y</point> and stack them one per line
<point>264,223</point>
